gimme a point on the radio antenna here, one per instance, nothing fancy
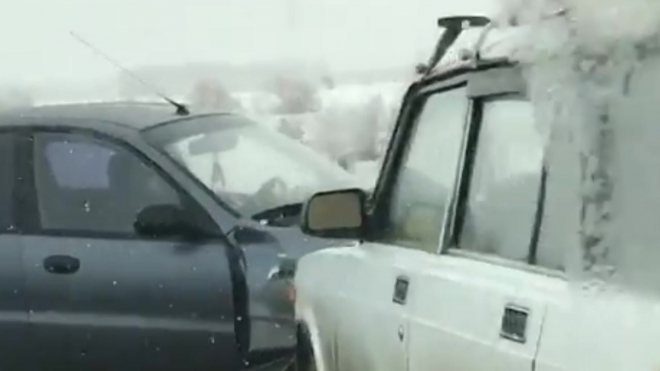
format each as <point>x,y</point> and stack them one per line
<point>181,109</point>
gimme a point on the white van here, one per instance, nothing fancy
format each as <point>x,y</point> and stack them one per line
<point>456,269</point>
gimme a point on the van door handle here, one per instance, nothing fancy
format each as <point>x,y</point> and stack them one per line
<point>514,323</point>
<point>61,264</point>
<point>401,290</point>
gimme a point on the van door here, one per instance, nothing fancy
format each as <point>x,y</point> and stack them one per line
<point>384,283</point>
<point>481,303</point>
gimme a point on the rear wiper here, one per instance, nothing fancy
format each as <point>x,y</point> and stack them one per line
<point>279,215</point>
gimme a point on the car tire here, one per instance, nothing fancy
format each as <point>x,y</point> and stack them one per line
<point>305,360</point>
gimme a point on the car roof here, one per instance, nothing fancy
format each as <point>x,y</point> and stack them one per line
<point>132,115</point>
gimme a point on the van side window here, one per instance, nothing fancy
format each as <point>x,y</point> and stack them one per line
<point>428,171</point>
<point>505,181</point>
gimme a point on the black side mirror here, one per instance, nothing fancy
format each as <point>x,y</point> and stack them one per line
<point>336,214</point>
<point>164,221</point>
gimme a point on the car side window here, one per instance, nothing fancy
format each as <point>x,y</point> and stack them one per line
<point>7,178</point>
<point>504,188</point>
<point>428,171</point>
<point>90,185</point>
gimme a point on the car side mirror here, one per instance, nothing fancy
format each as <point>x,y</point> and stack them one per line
<point>286,268</point>
<point>336,214</point>
<point>160,221</point>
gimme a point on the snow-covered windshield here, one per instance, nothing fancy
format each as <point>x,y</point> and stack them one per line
<point>253,168</point>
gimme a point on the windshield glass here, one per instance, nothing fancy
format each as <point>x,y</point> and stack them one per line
<point>253,168</point>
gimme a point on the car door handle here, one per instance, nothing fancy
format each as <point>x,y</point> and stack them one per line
<point>61,264</point>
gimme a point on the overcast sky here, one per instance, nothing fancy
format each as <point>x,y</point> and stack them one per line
<point>37,48</point>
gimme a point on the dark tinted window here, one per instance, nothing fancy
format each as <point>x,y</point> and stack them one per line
<point>7,178</point>
<point>91,185</point>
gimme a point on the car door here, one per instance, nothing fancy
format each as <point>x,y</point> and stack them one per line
<point>480,302</point>
<point>13,312</point>
<point>101,296</point>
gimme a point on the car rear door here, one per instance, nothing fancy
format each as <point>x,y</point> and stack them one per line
<point>102,297</point>
<point>13,312</point>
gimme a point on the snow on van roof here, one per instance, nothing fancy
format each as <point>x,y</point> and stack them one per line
<point>500,41</point>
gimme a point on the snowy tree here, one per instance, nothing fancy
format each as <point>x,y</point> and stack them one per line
<point>211,94</point>
<point>16,97</point>
<point>296,95</point>
<point>291,128</point>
